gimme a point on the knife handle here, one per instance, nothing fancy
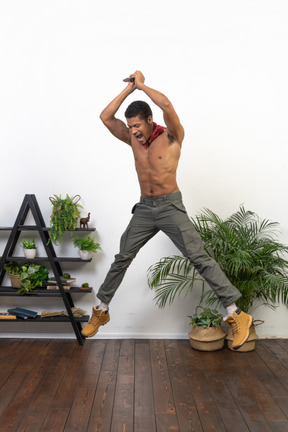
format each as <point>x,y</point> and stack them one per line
<point>129,79</point>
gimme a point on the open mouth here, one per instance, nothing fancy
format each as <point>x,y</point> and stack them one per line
<point>140,137</point>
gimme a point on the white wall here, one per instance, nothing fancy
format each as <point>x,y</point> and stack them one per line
<point>222,63</point>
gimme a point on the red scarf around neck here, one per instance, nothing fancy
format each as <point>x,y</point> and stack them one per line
<point>157,130</point>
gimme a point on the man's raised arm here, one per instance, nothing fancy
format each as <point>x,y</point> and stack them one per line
<point>171,119</point>
<point>117,127</point>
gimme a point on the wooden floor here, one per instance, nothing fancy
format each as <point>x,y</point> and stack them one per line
<point>141,386</point>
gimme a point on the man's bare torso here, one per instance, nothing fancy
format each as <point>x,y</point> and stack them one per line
<point>156,166</point>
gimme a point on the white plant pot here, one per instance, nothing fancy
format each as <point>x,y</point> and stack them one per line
<point>85,255</point>
<point>30,253</point>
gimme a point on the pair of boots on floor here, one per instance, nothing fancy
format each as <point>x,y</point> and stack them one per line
<point>237,319</point>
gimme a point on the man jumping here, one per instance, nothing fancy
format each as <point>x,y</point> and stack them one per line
<point>156,152</point>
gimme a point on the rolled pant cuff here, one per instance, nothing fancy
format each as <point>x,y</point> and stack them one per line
<point>102,299</point>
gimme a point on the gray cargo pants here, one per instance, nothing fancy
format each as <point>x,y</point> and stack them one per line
<point>168,214</point>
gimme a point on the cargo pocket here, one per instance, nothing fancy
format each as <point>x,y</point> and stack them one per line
<point>134,208</point>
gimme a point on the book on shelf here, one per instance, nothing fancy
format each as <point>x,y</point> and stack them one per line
<point>6,316</point>
<point>63,280</point>
<point>22,313</point>
<point>56,287</point>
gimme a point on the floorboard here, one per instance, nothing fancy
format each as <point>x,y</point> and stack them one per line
<point>141,386</point>
<point>144,413</point>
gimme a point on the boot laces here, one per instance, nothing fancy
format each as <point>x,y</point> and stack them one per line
<point>95,318</point>
<point>235,324</point>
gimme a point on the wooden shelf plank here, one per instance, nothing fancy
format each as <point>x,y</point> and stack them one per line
<point>35,228</point>
<point>42,259</point>
<point>41,292</point>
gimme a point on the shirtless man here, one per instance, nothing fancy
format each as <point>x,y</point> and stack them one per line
<point>156,152</point>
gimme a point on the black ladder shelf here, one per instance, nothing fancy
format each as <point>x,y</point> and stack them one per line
<point>30,203</point>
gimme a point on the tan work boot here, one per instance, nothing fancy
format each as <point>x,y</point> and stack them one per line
<point>99,317</point>
<point>240,323</point>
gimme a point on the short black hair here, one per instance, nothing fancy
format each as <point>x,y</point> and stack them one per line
<point>140,109</point>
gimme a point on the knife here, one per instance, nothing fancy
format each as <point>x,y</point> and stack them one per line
<point>129,79</point>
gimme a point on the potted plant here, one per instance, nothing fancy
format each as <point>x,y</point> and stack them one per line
<point>87,246</point>
<point>246,249</point>
<point>64,217</point>
<point>207,333</point>
<point>14,271</point>
<point>29,247</point>
<point>30,276</point>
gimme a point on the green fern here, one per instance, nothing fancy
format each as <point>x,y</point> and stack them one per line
<point>246,249</point>
<point>64,217</point>
<point>86,243</point>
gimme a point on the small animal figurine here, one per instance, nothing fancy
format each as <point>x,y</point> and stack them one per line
<point>84,221</point>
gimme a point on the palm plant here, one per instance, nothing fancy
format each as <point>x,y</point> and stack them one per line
<point>246,249</point>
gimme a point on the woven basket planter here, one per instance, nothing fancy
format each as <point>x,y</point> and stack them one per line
<point>207,339</point>
<point>15,280</point>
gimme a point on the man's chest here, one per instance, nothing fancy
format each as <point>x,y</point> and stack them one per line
<point>160,154</point>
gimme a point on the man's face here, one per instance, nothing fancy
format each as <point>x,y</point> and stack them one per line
<point>141,129</point>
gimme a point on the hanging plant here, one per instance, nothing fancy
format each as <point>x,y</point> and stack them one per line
<point>64,217</point>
